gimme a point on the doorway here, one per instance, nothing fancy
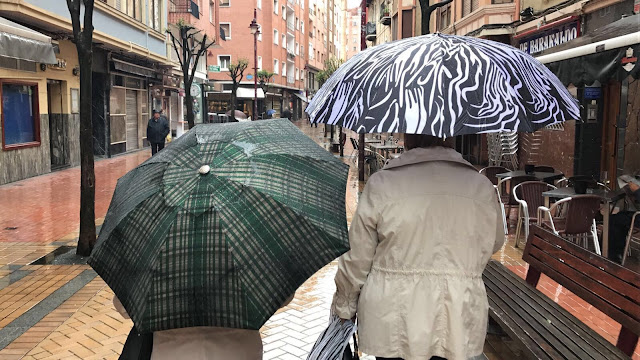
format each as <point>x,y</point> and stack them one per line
<point>608,158</point>
<point>58,137</point>
<point>132,119</point>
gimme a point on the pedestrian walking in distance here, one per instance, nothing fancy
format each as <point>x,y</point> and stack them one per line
<point>157,132</point>
<point>425,228</point>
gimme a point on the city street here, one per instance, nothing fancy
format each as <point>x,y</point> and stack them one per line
<point>50,311</point>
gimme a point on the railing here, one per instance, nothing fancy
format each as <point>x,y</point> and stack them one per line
<point>290,25</point>
<point>291,54</point>
<point>290,79</point>
<point>184,6</point>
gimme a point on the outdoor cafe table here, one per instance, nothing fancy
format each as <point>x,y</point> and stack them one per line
<point>608,197</point>
<point>542,176</point>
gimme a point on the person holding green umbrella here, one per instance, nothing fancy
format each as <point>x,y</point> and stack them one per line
<point>219,229</point>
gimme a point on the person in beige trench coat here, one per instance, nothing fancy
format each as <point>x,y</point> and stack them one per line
<point>204,343</point>
<point>425,228</point>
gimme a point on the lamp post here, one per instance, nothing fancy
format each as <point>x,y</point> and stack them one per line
<point>255,31</point>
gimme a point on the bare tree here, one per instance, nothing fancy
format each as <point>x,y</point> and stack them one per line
<point>189,50</point>
<point>236,72</point>
<point>83,39</point>
<point>264,79</point>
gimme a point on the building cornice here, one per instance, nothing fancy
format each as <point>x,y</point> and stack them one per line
<point>494,9</point>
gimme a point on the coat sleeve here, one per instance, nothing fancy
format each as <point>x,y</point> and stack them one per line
<point>355,265</point>
<point>500,235</point>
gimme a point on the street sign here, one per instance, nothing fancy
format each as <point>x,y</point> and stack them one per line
<point>592,93</point>
<point>249,77</point>
<point>214,68</point>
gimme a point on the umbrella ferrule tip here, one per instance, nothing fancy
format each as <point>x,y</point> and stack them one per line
<point>204,169</point>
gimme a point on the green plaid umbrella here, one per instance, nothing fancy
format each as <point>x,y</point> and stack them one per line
<point>222,226</point>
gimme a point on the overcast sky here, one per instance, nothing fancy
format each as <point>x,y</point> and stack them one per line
<point>353,4</point>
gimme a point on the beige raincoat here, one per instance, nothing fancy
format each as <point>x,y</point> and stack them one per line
<point>425,228</point>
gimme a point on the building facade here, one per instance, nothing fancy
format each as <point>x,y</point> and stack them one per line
<point>130,55</point>
<point>281,49</point>
<point>318,47</point>
<point>352,33</point>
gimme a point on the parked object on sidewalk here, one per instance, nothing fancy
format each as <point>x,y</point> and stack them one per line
<point>222,226</point>
<point>333,342</point>
<point>442,85</point>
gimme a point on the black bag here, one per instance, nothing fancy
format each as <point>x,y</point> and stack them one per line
<point>138,346</point>
<point>351,355</point>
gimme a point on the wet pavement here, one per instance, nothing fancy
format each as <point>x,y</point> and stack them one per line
<point>66,311</point>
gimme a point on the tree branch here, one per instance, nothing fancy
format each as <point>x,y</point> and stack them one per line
<point>175,47</point>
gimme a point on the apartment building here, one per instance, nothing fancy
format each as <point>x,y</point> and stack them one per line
<point>201,15</point>
<point>318,45</point>
<point>281,49</point>
<point>352,37</point>
<point>129,60</point>
<point>389,20</point>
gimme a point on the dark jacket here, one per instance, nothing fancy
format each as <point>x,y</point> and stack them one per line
<point>157,130</point>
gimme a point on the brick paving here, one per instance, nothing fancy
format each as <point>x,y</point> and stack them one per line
<point>41,214</point>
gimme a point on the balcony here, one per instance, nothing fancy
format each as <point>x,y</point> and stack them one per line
<point>290,79</point>
<point>371,32</point>
<point>291,55</point>
<point>184,6</point>
<point>385,19</point>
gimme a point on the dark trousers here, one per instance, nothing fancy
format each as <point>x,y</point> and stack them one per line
<point>155,147</point>
<point>619,225</point>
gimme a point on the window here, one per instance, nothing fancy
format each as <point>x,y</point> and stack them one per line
<point>354,48</point>
<point>224,61</point>
<point>311,53</point>
<point>259,32</point>
<point>297,49</point>
<point>211,10</point>
<point>284,41</point>
<point>259,62</point>
<point>444,17</point>
<point>275,6</point>
<point>284,13</point>
<point>275,36</point>
<point>469,6</point>
<point>226,28</point>
<point>284,69</point>
<point>259,4</point>
<point>225,3</point>
<point>302,26</point>
<point>156,18</point>
<point>297,74</point>
<point>297,24</point>
<point>276,66</point>
<point>20,117</point>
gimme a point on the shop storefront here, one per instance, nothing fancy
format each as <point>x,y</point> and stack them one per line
<point>129,112</point>
<point>38,85</point>
<point>602,66</point>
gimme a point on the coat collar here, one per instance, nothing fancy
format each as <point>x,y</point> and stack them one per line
<point>420,155</point>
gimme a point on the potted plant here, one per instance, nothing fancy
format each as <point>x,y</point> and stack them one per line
<point>385,11</point>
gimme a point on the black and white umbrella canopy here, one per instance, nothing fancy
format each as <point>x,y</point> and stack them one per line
<point>442,85</point>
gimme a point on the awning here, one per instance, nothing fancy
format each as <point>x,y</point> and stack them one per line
<point>133,68</point>
<point>20,42</point>
<point>301,97</point>
<point>243,93</point>
<point>246,93</point>
<point>597,56</point>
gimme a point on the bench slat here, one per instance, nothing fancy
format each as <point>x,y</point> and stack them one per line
<point>521,332</point>
<point>554,311</point>
<point>610,267</point>
<point>516,332</point>
<point>631,291</point>
<point>596,290</point>
<point>560,275</point>
<point>530,312</point>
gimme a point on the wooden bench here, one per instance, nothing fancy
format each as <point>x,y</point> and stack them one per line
<point>542,328</point>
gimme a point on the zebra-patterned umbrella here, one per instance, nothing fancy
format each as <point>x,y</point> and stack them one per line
<point>222,226</point>
<point>442,85</point>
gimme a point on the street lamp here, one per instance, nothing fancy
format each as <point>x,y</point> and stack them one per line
<point>255,31</point>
